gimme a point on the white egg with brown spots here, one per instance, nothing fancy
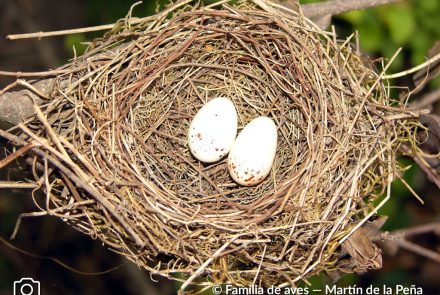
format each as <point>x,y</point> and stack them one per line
<point>213,130</point>
<point>253,152</point>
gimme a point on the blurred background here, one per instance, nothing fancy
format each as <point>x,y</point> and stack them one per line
<point>411,24</point>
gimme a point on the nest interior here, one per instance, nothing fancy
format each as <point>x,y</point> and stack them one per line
<point>110,151</point>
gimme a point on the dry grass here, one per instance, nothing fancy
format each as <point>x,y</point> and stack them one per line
<point>109,144</point>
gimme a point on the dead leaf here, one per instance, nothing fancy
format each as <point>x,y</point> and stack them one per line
<point>372,228</point>
<point>364,254</point>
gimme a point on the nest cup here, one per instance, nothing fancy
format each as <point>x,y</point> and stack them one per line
<point>110,151</point>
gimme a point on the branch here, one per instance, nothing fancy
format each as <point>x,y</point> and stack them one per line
<point>130,20</point>
<point>15,106</point>
<point>396,239</point>
<point>418,230</point>
<point>422,251</point>
<point>332,7</point>
<point>427,100</point>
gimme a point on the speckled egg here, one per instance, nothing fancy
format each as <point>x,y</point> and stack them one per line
<point>213,130</point>
<point>253,152</point>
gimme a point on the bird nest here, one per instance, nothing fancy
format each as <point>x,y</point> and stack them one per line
<point>108,145</point>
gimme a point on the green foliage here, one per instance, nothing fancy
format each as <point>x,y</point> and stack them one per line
<point>393,278</point>
<point>400,22</point>
<point>100,12</point>
<point>412,25</point>
<point>108,11</point>
<point>75,42</point>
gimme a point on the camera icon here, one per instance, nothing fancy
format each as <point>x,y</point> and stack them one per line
<point>27,286</point>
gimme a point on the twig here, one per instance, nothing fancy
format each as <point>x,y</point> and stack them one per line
<point>390,179</point>
<point>40,35</point>
<point>414,69</point>
<point>422,229</point>
<point>435,256</point>
<point>200,270</point>
<point>131,21</point>
<point>413,192</point>
<point>426,100</point>
<point>397,238</point>
<point>310,10</point>
<point>5,161</point>
<point>259,266</point>
<point>80,184</point>
<point>19,185</point>
<point>33,74</point>
<point>26,84</point>
<point>59,262</point>
<point>333,7</point>
<point>430,172</point>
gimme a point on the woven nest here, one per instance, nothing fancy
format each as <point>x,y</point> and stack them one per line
<point>109,144</point>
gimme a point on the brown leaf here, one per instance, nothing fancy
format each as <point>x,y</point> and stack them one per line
<point>372,228</point>
<point>361,258</point>
<point>364,254</point>
<point>428,73</point>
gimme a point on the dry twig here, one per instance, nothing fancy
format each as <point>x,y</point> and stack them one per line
<point>333,7</point>
<point>113,129</point>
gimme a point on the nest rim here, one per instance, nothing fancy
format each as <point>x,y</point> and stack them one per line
<point>198,237</point>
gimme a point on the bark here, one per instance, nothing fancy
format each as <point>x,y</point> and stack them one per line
<point>333,7</point>
<point>15,106</point>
